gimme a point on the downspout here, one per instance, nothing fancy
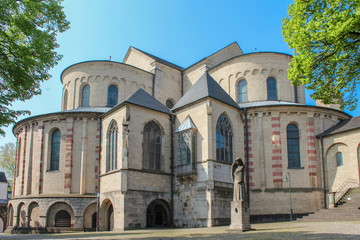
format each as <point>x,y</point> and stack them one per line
<point>98,193</point>
<point>324,177</point>
<point>247,157</point>
<point>182,83</point>
<point>153,84</point>
<point>172,122</point>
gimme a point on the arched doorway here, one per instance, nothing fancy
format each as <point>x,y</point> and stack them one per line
<point>62,219</point>
<point>110,220</point>
<point>158,214</point>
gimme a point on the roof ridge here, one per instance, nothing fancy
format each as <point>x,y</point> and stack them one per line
<point>206,86</point>
<point>170,64</point>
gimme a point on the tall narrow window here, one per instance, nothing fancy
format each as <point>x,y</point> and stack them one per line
<point>112,151</point>
<point>18,158</point>
<point>112,96</point>
<point>242,92</point>
<point>271,89</point>
<point>65,101</point>
<point>293,146</point>
<point>224,139</point>
<point>55,150</point>
<point>296,96</point>
<point>339,159</point>
<point>85,96</point>
<point>152,147</point>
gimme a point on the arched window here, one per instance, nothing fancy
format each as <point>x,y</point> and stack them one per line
<point>65,101</point>
<point>85,96</point>
<point>224,139</point>
<point>242,92</point>
<point>112,150</point>
<point>271,89</point>
<point>55,150</point>
<point>112,96</point>
<point>62,219</point>
<point>339,159</point>
<point>293,146</point>
<point>152,147</point>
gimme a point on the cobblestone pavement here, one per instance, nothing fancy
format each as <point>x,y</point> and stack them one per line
<point>283,230</point>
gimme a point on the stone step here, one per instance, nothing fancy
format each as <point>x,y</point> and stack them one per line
<point>347,210</point>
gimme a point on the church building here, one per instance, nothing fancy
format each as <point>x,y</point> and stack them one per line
<point>146,143</point>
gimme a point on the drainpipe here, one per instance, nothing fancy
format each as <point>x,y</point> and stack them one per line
<point>98,193</point>
<point>324,177</point>
<point>172,122</point>
<point>247,157</point>
<point>182,83</point>
<point>153,85</point>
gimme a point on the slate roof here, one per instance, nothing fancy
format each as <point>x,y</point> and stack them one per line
<point>143,99</point>
<point>267,103</point>
<point>3,177</point>
<point>342,126</point>
<point>89,109</point>
<point>205,87</point>
<point>160,60</point>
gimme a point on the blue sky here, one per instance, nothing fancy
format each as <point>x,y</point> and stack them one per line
<point>181,31</point>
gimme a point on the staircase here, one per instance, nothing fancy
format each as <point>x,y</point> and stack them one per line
<point>347,209</point>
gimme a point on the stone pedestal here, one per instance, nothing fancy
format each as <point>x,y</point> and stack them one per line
<point>240,216</point>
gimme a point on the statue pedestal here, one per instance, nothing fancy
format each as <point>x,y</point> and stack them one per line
<point>240,216</point>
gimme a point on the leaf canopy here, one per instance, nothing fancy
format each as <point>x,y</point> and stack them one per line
<point>325,38</point>
<point>28,30</point>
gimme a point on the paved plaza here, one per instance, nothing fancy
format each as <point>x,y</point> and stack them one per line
<point>283,230</point>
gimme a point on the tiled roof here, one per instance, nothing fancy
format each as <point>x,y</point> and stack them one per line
<point>143,99</point>
<point>206,86</point>
<point>342,126</point>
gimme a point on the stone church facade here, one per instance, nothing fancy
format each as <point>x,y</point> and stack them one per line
<point>144,143</point>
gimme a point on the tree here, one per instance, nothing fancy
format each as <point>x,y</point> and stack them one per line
<point>7,160</point>
<point>28,30</point>
<point>325,37</point>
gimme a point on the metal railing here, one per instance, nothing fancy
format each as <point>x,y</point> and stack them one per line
<point>344,188</point>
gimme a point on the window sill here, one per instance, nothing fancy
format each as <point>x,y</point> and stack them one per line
<point>296,168</point>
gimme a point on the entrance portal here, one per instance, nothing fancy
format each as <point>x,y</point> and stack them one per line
<point>158,214</point>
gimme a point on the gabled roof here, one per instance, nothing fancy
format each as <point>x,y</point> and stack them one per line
<point>143,99</point>
<point>160,60</point>
<point>187,124</point>
<point>342,126</point>
<point>3,177</point>
<point>221,55</point>
<point>205,87</point>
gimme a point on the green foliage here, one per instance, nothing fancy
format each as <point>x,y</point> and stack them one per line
<point>325,37</point>
<point>28,30</point>
<point>7,160</point>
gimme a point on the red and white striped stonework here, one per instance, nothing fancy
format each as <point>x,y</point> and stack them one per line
<point>276,153</point>
<point>68,155</point>
<point>251,155</point>
<point>39,168</point>
<point>17,167</point>
<point>311,151</point>
<point>97,160</point>
<point>23,164</point>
